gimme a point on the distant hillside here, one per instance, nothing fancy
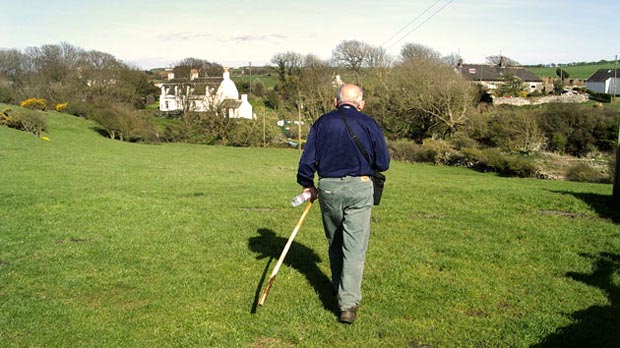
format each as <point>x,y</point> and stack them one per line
<point>581,71</point>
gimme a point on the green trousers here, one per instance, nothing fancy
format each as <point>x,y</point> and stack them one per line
<point>346,204</point>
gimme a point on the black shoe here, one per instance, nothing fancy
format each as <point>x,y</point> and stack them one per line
<point>348,316</point>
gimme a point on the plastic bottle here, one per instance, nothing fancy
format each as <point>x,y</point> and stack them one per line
<point>300,198</point>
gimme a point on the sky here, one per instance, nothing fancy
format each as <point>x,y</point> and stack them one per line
<point>157,34</point>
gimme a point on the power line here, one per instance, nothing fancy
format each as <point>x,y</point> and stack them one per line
<point>411,22</point>
<point>419,25</point>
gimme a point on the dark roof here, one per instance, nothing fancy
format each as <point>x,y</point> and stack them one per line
<point>602,75</point>
<point>198,84</point>
<point>230,103</point>
<point>487,72</point>
<point>212,81</point>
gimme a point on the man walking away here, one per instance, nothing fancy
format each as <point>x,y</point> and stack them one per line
<point>345,189</point>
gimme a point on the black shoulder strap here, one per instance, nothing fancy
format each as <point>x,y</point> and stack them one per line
<point>354,137</point>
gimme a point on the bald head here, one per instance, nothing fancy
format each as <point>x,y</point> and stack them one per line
<point>350,94</point>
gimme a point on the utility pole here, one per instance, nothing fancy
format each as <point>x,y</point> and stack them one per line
<point>299,124</point>
<point>615,79</point>
<point>264,126</point>
<point>616,188</point>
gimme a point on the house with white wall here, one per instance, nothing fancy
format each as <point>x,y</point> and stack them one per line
<point>202,94</point>
<point>604,81</point>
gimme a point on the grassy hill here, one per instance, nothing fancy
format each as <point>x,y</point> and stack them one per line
<point>110,244</point>
<point>575,71</point>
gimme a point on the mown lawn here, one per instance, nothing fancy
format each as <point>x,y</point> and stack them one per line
<point>110,244</point>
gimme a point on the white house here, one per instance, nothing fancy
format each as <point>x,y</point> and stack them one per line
<point>204,94</point>
<point>604,81</point>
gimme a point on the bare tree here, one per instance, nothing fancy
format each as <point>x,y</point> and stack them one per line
<point>12,64</point>
<point>501,60</point>
<point>206,67</point>
<point>452,59</point>
<point>420,98</point>
<point>315,87</point>
<point>418,51</point>
<point>54,62</point>
<point>13,68</point>
<point>287,64</point>
<point>351,54</point>
<point>377,57</point>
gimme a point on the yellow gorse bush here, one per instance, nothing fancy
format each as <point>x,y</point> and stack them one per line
<point>61,107</point>
<point>34,104</point>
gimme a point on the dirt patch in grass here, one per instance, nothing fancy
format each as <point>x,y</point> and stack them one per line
<point>72,240</point>
<point>259,209</point>
<point>416,344</point>
<point>562,213</point>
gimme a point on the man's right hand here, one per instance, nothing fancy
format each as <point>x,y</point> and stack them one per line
<point>314,194</point>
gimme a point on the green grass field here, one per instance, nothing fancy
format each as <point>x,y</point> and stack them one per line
<point>110,244</point>
<point>574,72</point>
<point>270,81</point>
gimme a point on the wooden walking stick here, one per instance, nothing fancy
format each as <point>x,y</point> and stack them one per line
<point>283,255</point>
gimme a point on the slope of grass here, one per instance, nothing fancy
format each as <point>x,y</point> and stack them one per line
<point>574,72</point>
<point>104,243</point>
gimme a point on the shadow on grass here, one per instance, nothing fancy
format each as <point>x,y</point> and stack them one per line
<point>299,257</point>
<point>603,205</point>
<point>597,326</point>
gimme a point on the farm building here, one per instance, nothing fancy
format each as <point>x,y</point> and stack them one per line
<point>604,81</point>
<point>493,76</point>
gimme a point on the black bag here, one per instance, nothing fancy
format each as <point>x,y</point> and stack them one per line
<point>378,179</point>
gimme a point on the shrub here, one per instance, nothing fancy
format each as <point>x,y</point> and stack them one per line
<point>6,120</point>
<point>30,121</point>
<point>583,172</point>
<point>431,151</point>
<point>172,132</point>
<point>470,158</point>
<point>584,129</point>
<point>403,150</point>
<point>8,95</point>
<point>461,141</point>
<point>81,109</point>
<point>558,142</point>
<point>61,107</point>
<point>516,130</point>
<point>259,89</point>
<point>34,104</point>
<point>121,121</point>
<point>601,97</point>
<point>519,166</point>
<point>493,160</point>
<point>436,151</point>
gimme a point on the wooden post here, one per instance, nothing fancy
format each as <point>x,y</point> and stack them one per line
<point>616,188</point>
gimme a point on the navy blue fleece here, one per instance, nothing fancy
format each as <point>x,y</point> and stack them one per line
<point>331,152</point>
